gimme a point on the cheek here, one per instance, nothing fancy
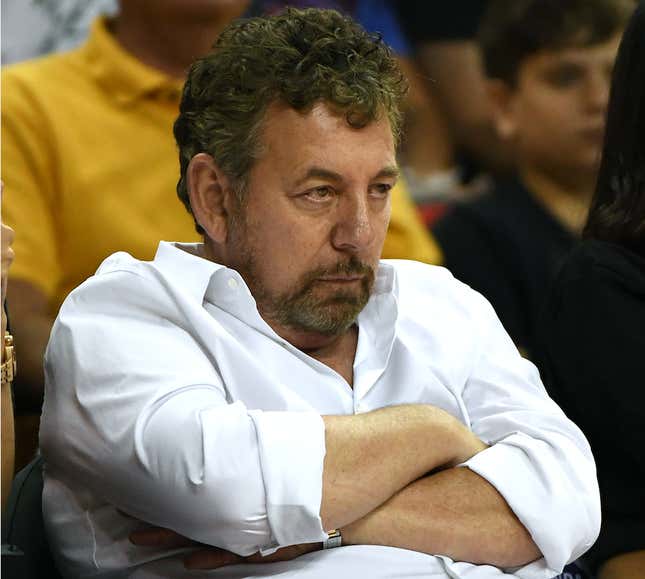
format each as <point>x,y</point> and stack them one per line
<point>544,107</point>
<point>543,124</point>
<point>286,251</point>
<point>381,225</point>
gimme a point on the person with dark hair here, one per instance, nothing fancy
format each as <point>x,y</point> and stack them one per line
<point>593,328</point>
<point>444,42</point>
<point>278,394</point>
<point>549,64</point>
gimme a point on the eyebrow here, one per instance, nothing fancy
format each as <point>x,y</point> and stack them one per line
<point>390,171</point>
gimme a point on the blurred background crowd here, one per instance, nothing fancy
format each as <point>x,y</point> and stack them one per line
<point>505,124</point>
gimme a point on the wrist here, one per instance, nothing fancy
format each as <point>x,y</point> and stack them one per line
<point>466,446</point>
<point>349,534</point>
<point>334,539</point>
<point>8,359</point>
<point>452,442</point>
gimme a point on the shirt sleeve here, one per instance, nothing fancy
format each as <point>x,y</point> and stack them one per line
<point>30,175</point>
<point>136,410</point>
<point>539,461</point>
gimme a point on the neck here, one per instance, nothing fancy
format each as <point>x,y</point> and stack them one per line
<point>169,43</point>
<point>566,199</point>
<point>313,343</point>
<point>337,352</point>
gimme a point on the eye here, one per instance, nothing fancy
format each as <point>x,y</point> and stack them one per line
<point>320,194</point>
<point>564,76</point>
<point>381,190</point>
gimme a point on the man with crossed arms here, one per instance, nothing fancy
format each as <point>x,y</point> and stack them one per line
<point>277,390</point>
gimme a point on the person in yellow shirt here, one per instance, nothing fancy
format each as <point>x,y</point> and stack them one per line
<point>90,165</point>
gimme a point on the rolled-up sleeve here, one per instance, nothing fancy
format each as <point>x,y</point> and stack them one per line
<point>138,412</point>
<point>290,445</point>
<point>539,460</point>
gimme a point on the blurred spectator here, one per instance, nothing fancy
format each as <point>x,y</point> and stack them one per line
<point>594,322</point>
<point>549,64</point>
<point>445,50</point>
<point>90,164</point>
<point>35,27</point>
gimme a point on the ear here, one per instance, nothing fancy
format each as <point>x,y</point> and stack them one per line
<point>208,191</point>
<point>501,97</point>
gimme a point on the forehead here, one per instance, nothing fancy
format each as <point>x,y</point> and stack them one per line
<point>601,54</point>
<point>292,138</point>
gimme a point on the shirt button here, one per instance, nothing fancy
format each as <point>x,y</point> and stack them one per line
<point>232,283</point>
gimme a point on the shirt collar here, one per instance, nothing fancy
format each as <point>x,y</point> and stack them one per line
<point>182,264</point>
<point>121,73</point>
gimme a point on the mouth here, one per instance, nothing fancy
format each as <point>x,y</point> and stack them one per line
<point>341,278</point>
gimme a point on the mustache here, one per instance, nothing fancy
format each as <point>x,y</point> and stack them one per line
<point>351,267</point>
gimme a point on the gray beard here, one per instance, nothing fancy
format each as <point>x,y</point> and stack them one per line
<point>302,309</point>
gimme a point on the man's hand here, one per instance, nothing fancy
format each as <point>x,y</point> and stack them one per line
<point>208,557</point>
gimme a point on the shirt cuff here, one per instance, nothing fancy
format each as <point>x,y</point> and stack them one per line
<point>292,451</point>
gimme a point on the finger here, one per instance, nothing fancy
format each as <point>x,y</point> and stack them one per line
<point>158,537</point>
<point>211,558</point>
<point>7,234</point>
<point>8,256</point>
<point>285,553</point>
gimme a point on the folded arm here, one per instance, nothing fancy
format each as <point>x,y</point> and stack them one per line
<point>454,512</point>
<point>372,456</point>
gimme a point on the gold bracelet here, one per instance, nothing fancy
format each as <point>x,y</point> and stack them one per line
<point>9,365</point>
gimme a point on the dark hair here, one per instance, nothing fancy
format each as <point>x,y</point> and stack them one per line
<point>512,30</point>
<point>299,57</point>
<point>617,212</point>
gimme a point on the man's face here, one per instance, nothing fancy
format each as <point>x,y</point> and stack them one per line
<point>308,237</point>
<point>555,113</point>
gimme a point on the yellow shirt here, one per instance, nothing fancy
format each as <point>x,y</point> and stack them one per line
<point>407,236</point>
<point>90,166</point>
<point>88,161</point>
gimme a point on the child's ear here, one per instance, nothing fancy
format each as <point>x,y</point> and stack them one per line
<point>502,102</point>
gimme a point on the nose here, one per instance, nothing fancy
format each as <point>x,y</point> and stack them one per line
<point>354,229</point>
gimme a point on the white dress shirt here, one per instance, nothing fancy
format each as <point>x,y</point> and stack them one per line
<point>170,400</point>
